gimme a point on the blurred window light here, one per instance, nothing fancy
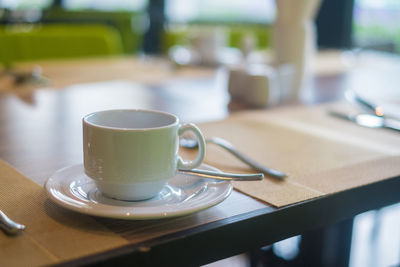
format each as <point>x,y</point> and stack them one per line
<point>287,249</point>
<point>105,5</point>
<point>25,4</point>
<point>243,11</point>
<point>377,24</point>
<point>376,238</point>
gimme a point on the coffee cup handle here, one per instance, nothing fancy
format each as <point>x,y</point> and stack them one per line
<point>187,165</point>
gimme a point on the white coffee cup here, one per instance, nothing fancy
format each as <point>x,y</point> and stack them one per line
<point>131,154</point>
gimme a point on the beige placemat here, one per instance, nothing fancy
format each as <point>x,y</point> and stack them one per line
<point>53,234</point>
<point>321,154</point>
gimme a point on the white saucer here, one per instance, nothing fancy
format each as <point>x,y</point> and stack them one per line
<point>71,188</point>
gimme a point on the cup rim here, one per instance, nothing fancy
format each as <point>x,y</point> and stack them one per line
<point>176,120</point>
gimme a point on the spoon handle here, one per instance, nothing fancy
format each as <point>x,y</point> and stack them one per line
<point>392,124</point>
<point>9,226</point>
<point>225,176</point>
<point>252,163</point>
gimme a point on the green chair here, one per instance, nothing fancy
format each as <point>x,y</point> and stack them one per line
<point>56,41</point>
<point>130,25</point>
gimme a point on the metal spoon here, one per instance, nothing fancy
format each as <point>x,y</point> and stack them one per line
<point>368,120</point>
<point>192,143</point>
<point>9,226</point>
<point>224,175</point>
<point>356,99</point>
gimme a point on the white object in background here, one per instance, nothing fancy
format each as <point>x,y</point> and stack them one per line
<point>248,46</point>
<point>207,43</point>
<point>262,86</point>
<point>286,78</point>
<point>294,38</point>
<point>237,75</point>
<point>253,85</point>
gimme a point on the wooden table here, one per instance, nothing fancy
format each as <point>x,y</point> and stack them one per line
<point>40,132</point>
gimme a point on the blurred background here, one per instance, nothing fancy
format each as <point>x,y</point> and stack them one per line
<point>60,29</point>
<point>37,29</point>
